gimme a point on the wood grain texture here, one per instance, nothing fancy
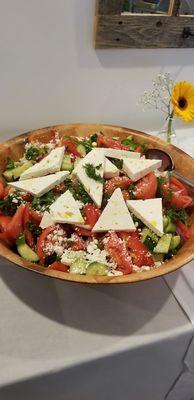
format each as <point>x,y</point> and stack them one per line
<point>174,7</point>
<point>108,7</point>
<point>143,31</point>
<point>183,163</point>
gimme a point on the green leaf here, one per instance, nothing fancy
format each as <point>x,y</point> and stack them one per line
<point>9,206</point>
<point>177,215</point>
<point>10,164</point>
<point>91,172</point>
<point>33,152</point>
<point>79,193</point>
<point>44,202</point>
<point>117,163</point>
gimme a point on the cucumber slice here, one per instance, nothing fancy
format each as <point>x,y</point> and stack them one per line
<point>170,228</point>
<point>8,175</point>
<point>25,251</point>
<point>81,149</point>
<point>15,173</point>
<point>165,221</point>
<point>67,164</point>
<point>97,268</point>
<point>149,238</point>
<point>78,267</point>
<point>163,244</point>
<point>175,241</point>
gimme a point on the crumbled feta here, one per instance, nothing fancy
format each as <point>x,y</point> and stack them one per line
<point>94,254</point>
<point>14,200</point>
<point>141,269</point>
<point>80,204</point>
<point>69,256</point>
<point>56,242</point>
<point>160,173</point>
<point>158,264</point>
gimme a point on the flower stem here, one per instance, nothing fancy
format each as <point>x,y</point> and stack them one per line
<point>169,128</point>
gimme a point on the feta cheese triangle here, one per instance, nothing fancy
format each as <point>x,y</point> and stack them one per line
<point>46,220</point>
<point>93,187</point>
<point>65,210</point>
<point>48,165</point>
<point>120,154</point>
<point>149,212</point>
<point>110,170</point>
<point>40,186</point>
<point>137,169</point>
<point>115,216</point>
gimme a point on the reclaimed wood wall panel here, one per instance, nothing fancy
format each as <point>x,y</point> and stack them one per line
<point>143,31</point>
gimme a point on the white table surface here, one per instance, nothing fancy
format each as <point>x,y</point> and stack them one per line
<point>60,340</point>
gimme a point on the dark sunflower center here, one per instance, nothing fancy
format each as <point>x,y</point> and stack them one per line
<point>182,103</point>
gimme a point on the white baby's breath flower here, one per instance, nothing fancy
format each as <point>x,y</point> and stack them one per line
<point>158,97</point>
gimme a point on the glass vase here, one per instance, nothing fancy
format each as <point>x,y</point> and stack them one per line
<point>168,133</point>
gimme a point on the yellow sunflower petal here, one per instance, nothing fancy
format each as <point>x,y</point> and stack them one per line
<point>182,100</point>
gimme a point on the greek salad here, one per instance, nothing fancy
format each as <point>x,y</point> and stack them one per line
<point>92,205</point>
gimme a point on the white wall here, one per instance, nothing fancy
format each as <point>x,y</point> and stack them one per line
<point>50,73</point>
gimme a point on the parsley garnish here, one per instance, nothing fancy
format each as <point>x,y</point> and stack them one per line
<point>131,144</point>
<point>177,215</point>
<point>79,193</point>
<point>94,137</point>
<point>50,259</point>
<point>34,229</point>
<point>161,180</point>
<point>87,145</point>
<point>91,172</point>
<point>131,190</point>
<point>32,153</point>
<point>10,164</point>
<point>117,163</point>
<point>44,202</point>
<point>8,206</point>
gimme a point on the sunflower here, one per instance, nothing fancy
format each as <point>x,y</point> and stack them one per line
<point>182,99</point>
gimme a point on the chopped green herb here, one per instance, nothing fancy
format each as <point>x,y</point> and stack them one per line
<point>10,205</point>
<point>131,144</point>
<point>79,192</point>
<point>131,190</point>
<point>87,145</point>
<point>117,163</point>
<point>91,172</point>
<point>32,153</point>
<point>161,180</point>
<point>68,183</point>
<point>44,202</point>
<point>94,137</point>
<point>10,164</point>
<point>50,259</point>
<point>34,229</point>
<point>177,215</point>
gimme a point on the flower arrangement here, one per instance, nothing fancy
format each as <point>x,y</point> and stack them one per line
<point>173,99</point>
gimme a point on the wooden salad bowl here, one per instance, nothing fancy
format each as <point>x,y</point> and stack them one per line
<point>183,163</point>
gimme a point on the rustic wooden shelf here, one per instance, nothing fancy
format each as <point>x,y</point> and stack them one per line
<point>114,29</point>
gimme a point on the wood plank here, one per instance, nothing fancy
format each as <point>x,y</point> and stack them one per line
<point>174,7</point>
<point>109,7</point>
<point>143,31</point>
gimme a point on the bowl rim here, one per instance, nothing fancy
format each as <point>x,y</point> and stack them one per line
<point>173,264</point>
